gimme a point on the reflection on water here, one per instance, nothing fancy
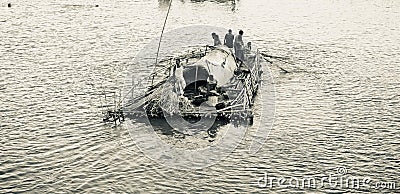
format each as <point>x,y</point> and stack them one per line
<point>342,110</point>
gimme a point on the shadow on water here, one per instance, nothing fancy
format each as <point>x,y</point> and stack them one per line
<point>165,3</point>
<point>160,124</point>
<point>231,3</point>
<point>216,1</point>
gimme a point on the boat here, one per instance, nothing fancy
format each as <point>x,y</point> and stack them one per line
<point>207,82</point>
<point>217,84</point>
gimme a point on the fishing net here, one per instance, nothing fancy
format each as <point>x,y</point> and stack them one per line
<point>170,101</point>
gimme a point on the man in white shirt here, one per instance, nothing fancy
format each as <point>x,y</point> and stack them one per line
<point>239,46</point>
<point>180,83</point>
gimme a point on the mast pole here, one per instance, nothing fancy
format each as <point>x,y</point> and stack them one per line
<point>159,43</point>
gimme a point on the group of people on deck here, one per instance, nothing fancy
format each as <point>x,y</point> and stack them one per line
<point>232,41</point>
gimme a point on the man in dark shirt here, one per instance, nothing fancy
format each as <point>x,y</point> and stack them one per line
<point>228,41</point>
<point>216,39</point>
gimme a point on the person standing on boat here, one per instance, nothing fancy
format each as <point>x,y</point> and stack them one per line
<point>239,46</point>
<point>216,39</point>
<point>229,37</point>
<point>180,83</point>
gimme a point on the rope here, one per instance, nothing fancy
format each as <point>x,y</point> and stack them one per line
<point>159,43</point>
<point>158,51</point>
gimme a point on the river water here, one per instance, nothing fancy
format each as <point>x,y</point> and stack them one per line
<point>336,111</point>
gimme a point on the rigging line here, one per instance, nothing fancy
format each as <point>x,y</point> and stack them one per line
<point>158,51</point>
<point>159,43</point>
